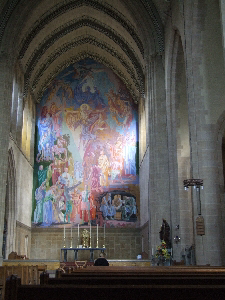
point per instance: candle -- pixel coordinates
(71, 231)
(90, 229)
(152, 251)
(78, 234)
(97, 232)
(171, 251)
(64, 231)
(104, 230)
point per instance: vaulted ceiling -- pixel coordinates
(46, 36)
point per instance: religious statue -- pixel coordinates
(164, 233)
(85, 240)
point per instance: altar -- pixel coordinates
(64, 251)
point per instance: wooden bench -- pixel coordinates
(127, 282)
(139, 276)
(27, 275)
(106, 291)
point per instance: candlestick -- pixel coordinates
(104, 238)
(90, 235)
(97, 236)
(71, 237)
(64, 236)
(152, 251)
(78, 236)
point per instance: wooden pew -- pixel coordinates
(139, 276)
(106, 291)
(142, 271)
(27, 274)
(130, 283)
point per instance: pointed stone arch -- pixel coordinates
(10, 205)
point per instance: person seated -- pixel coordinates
(101, 261)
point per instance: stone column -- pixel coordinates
(202, 139)
(159, 199)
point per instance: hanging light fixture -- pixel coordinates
(196, 183)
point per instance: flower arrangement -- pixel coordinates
(162, 252)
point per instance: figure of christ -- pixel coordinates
(87, 119)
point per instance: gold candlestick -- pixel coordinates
(71, 242)
(90, 236)
(78, 236)
(97, 237)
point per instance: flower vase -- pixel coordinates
(160, 261)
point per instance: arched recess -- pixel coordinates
(183, 147)
(181, 210)
(10, 205)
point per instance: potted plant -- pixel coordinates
(162, 255)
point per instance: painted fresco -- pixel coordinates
(86, 150)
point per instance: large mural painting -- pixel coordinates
(86, 168)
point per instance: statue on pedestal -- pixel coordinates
(164, 233)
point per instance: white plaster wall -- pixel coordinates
(24, 185)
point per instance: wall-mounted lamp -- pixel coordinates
(196, 183)
(176, 239)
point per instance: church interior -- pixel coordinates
(112, 131)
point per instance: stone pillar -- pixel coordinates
(159, 201)
(5, 100)
(202, 139)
